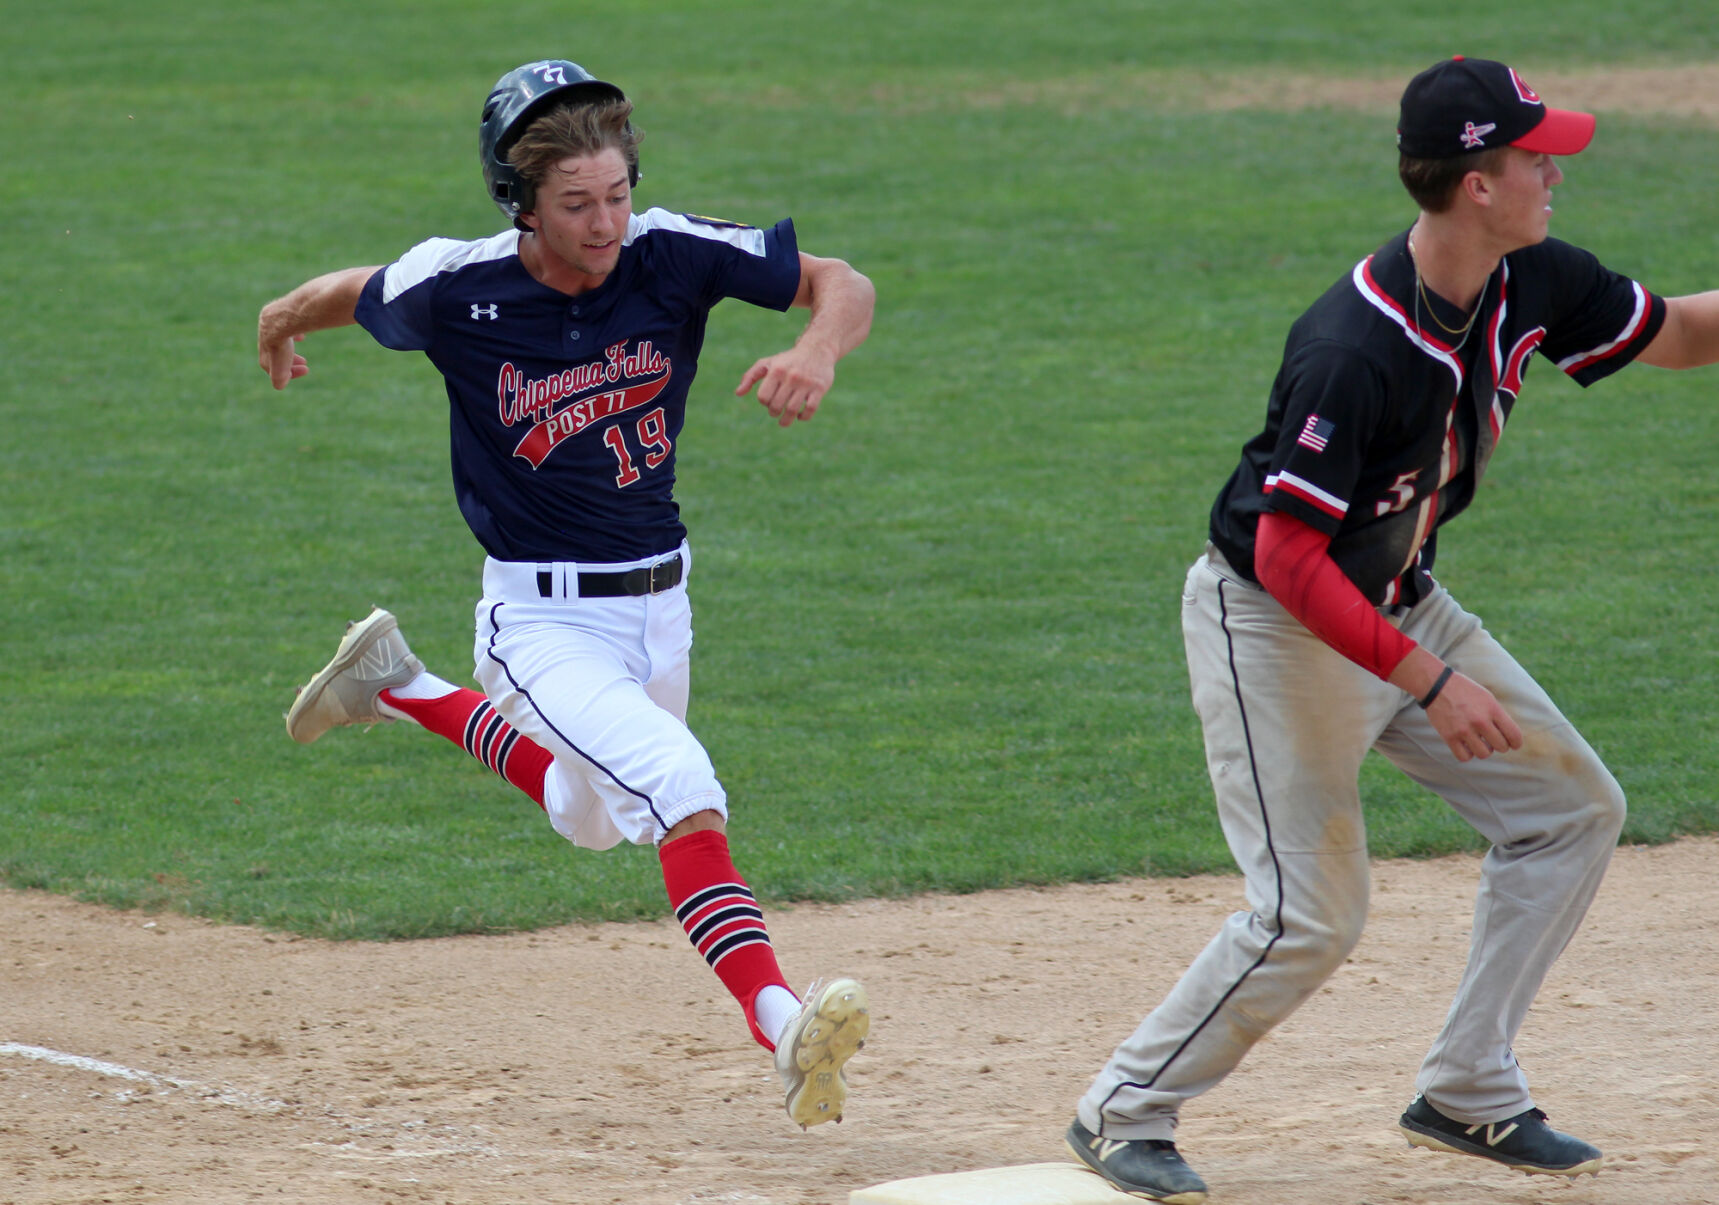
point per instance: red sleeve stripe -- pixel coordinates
(1637, 321)
(1290, 484)
(1510, 380)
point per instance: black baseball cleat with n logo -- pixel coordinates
(1524, 1142)
(1145, 1167)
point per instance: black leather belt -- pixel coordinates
(629, 583)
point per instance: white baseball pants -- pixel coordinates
(601, 683)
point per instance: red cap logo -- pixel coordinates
(1528, 95)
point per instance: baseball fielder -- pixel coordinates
(568, 344)
(1315, 632)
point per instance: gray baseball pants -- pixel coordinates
(1287, 721)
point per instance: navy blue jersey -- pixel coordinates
(565, 410)
(1381, 423)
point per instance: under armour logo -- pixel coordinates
(1473, 135)
(484, 311)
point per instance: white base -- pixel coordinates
(1028, 1184)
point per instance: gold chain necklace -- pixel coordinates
(1460, 333)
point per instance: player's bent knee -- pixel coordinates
(1321, 943)
(1606, 813)
(1337, 943)
(1598, 804)
(1612, 810)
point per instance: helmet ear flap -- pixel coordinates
(518, 201)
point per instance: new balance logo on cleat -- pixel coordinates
(1523, 1142)
(1106, 1147)
(1149, 1168)
(1495, 1135)
(372, 657)
(376, 662)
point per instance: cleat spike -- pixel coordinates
(831, 1026)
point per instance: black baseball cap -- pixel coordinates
(1462, 106)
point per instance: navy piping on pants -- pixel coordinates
(495, 629)
(1265, 821)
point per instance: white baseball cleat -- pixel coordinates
(372, 657)
(833, 1022)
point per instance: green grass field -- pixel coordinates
(938, 632)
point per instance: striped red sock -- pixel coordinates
(721, 918)
(467, 718)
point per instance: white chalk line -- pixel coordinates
(226, 1096)
(246, 1100)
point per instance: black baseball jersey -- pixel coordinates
(1381, 421)
(565, 411)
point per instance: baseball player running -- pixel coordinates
(568, 344)
(1315, 632)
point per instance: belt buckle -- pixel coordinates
(668, 579)
(651, 579)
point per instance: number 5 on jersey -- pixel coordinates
(1402, 492)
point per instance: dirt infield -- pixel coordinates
(150, 1059)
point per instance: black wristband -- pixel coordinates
(1437, 686)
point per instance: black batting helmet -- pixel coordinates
(517, 99)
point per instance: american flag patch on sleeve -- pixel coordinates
(1317, 433)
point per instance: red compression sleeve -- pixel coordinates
(1294, 564)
